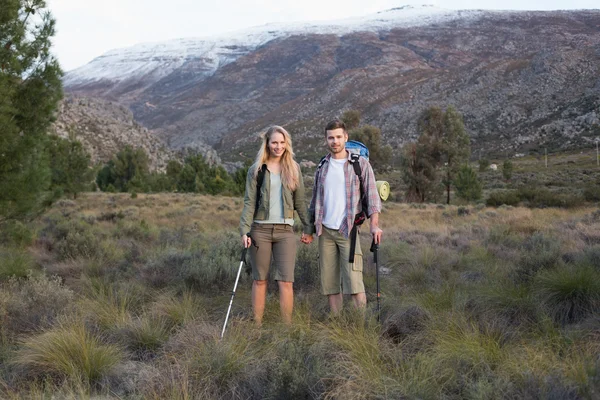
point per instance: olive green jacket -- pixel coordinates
(291, 201)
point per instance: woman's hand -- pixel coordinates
(306, 239)
(246, 241)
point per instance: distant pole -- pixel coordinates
(597, 157)
(546, 156)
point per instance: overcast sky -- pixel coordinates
(89, 28)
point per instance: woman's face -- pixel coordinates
(276, 145)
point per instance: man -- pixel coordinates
(336, 200)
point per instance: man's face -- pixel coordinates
(336, 140)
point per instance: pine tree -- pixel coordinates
(456, 147)
(379, 156)
(468, 186)
(130, 168)
(30, 89)
(351, 119)
(507, 169)
(70, 166)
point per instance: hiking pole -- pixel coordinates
(242, 259)
(375, 250)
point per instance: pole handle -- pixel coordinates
(374, 250)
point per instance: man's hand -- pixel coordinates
(246, 241)
(376, 232)
(306, 239)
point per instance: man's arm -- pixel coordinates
(373, 201)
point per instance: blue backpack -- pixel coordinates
(356, 147)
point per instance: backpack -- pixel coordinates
(260, 177)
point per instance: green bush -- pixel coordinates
(504, 197)
(16, 233)
(592, 193)
(15, 262)
(540, 197)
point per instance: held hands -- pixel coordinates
(246, 241)
(306, 239)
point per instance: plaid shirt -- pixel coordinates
(353, 202)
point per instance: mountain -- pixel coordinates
(523, 80)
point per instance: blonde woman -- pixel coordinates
(274, 189)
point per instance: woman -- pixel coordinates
(267, 220)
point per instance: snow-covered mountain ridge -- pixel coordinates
(159, 59)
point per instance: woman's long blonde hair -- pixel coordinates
(290, 171)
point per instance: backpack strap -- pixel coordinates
(260, 177)
(355, 161)
(362, 215)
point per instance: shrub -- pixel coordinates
(67, 351)
(306, 274)
(592, 193)
(484, 164)
(15, 262)
(34, 303)
(538, 252)
(406, 322)
(540, 197)
(16, 233)
(214, 265)
(505, 197)
(462, 211)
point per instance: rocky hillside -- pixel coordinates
(523, 81)
(104, 128)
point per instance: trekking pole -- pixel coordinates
(234, 287)
(375, 250)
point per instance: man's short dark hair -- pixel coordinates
(335, 124)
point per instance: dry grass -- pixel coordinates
(477, 303)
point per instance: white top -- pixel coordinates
(276, 203)
(334, 196)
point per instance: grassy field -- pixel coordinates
(117, 297)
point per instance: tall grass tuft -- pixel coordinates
(15, 262)
(145, 335)
(67, 351)
(571, 293)
(505, 304)
(179, 310)
(352, 355)
(112, 305)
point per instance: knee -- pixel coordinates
(285, 285)
(260, 283)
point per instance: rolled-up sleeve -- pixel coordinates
(373, 199)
